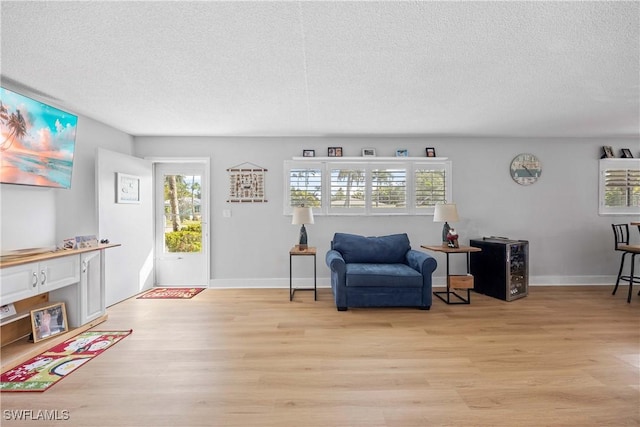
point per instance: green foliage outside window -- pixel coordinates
(430, 187)
(304, 197)
(187, 239)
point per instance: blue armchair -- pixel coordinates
(379, 272)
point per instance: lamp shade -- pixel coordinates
(302, 215)
(445, 212)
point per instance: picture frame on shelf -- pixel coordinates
(626, 153)
(127, 188)
(431, 152)
(607, 152)
(402, 152)
(308, 153)
(7, 310)
(334, 152)
(49, 321)
(88, 241)
(69, 244)
(368, 152)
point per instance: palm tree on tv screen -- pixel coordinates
(15, 124)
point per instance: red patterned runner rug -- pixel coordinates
(171, 293)
(48, 368)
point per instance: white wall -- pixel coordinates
(27, 217)
(569, 242)
(129, 269)
(76, 209)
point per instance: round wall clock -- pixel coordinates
(525, 169)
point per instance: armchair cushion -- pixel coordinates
(383, 275)
(390, 249)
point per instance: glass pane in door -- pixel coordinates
(183, 219)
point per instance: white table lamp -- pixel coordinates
(445, 212)
(302, 215)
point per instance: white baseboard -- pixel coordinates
(554, 280)
(268, 283)
(325, 282)
(571, 280)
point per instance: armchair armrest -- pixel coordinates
(425, 264)
(422, 262)
(335, 262)
(338, 267)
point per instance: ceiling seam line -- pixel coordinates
(304, 64)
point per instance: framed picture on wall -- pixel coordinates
(334, 152)
(368, 152)
(308, 153)
(607, 152)
(626, 153)
(127, 188)
(402, 152)
(431, 152)
(49, 321)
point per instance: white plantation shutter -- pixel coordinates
(430, 187)
(388, 189)
(303, 185)
(348, 188)
(432, 184)
(620, 186)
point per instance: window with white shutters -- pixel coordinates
(355, 186)
(619, 186)
(348, 187)
(388, 189)
(303, 185)
(430, 186)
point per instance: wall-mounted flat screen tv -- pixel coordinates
(37, 142)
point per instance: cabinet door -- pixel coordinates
(58, 272)
(19, 282)
(92, 292)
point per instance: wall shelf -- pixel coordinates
(371, 159)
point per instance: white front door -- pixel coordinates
(182, 235)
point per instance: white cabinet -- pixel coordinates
(74, 276)
(92, 290)
(19, 282)
(26, 280)
(58, 272)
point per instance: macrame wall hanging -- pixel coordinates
(246, 183)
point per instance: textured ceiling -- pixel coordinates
(332, 68)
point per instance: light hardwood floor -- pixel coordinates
(563, 356)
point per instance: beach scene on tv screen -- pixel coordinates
(37, 142)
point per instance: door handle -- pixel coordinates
(43, 277)
(35, 279)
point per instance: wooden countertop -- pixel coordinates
(11, 261)
(447, 249)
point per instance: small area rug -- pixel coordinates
(171, 293)
(41, 372)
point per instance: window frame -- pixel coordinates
(308, 165)
(374, 166)
(616, 164)
(329, 209)
(368, 165)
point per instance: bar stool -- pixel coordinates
(637, 223)
(621, 233)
